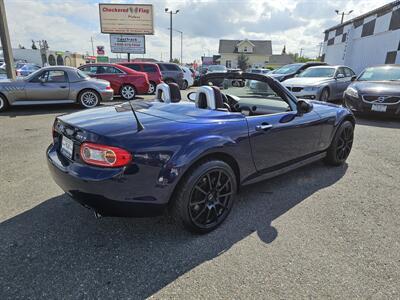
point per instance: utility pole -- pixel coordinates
(91, 40)
(181, 33)
(301, 52)
(343, 14)
(170, 12)
(320, 49)
(5, 42)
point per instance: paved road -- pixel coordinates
(317, 232)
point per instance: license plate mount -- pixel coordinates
(67, 147)
(379, 107)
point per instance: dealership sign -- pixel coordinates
(100, 50)
(127, 43)
(126, 18)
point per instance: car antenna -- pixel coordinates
(140, 126)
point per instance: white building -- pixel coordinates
(367, 40)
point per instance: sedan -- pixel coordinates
(54, 85)
(139, 158)
(124, 81)
(376, 90)
(292, 70)
(324, 83)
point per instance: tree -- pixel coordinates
(21, 46)
(34, 45)
(284, 50)
(242, 62)
(176, 61)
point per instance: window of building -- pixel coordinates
(395, 20)
(228, 64)
(331, 41)
(52, 60)
(391, 57)
(339, 31)
(326, 36)
(368, 28)
(245, 49)
(344, 36)
(60, 60)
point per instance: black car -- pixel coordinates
(376, 90)
(171, 73)
(290, 71)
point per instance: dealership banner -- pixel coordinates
(126, 18)
(134, 44)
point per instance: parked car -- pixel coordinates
(151, 69)
(376, 90)
(124, 81)
(291, 70)
(171, 73)
(325, 83)
(54, 85)
(140, 158)
(188, 78)
(216, 68)
(27, 69)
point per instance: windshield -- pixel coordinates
(288, 69)
(380, 74)
(318, 72)
(82, 74)
(216, 68)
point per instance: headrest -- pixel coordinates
(209, 97)
(168, 93)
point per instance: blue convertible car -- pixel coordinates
(138, 158)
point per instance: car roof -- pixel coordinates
(136, 62)
(326, 66)
(59, 68)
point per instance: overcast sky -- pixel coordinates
(69, 24)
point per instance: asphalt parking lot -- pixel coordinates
(318, 232)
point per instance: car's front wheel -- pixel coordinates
(324, 95)
(185, 85)
(128, 92)
(341, 145)
(152, 88)
(205, 196)
(89, 99)
(3, 103)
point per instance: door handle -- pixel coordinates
(263, 127)
(63, 86)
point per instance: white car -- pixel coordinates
(187, 78)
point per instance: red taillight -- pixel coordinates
(104, 156)
(108, 88)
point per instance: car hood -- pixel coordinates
(306, 81)
(377, 87)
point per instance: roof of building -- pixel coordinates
(281, 59)
(262, 47)
(380, 11)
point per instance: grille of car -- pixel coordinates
(381, 99)
(297, 89)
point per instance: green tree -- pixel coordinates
(34, 45)
(176, 61)
(242, 62)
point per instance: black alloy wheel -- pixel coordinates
(324, 95)
(341, 145)
(210, 197)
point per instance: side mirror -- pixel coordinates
(192, 96)
(42, 80)
(353, 78)
(303, 107)
(339, 76)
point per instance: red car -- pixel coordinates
(124, 81)
(152, 70)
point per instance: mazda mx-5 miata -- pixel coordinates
(139, 158)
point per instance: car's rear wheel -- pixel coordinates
(3, 103)
(341, 145)
(324, 95)
(152, 87)
(185, 85)
(128, 92)
(89, 98)
(205, 197)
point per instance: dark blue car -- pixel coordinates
(139, 158)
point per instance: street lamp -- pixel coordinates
(343, 14)
(181, 33)
(170, 12)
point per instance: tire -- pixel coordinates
(205, 196)
(341, 145)
(152, 88)
(128, 92)
(324, 96)
(169, 80)
(185, 85)
(88, 98)
(3, 103)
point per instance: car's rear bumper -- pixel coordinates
(358, 106)
(110, 192)
(107, 95)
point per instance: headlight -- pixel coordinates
(352, 92)
(310, 88)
